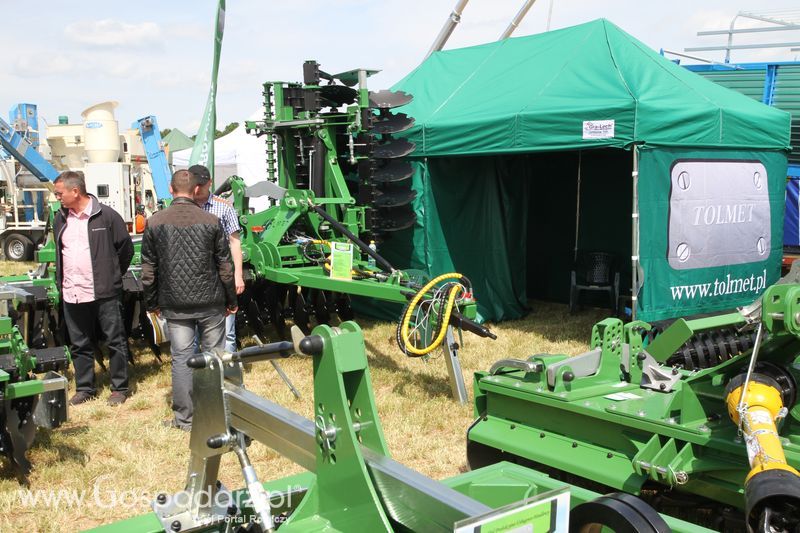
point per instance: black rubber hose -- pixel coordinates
(224, 187)
(384, 264)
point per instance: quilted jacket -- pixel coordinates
(186, 262)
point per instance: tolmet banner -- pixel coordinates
(711, 229)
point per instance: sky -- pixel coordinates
(154, 57)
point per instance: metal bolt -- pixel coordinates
(761, 246)
(683, 180)
(683, 252)
(161, 498)
(681, 477)
(574, 444)
(674, 371)
(609, 455)
(662, 386)
(513, 426)
(176, 525)
(541, 435)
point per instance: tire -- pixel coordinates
(18, 247)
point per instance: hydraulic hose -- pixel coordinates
(384, 264)
(402, 333)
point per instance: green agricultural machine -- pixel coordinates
(26, 400)
(351, 483)
(338, 187)
(701, 420)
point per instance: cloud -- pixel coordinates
(40, 65)
(108, 32)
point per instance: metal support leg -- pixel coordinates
(450, 348)
(280, 371)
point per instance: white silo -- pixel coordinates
(101, 133)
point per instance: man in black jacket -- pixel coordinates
(94, 251)
(187, 276)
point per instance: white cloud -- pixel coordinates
(108, 32)
(39, 65)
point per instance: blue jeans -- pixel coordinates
(230, 335)
(182, 346)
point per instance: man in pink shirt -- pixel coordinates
(94, 251)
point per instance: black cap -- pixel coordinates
(201, 172)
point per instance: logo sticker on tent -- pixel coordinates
(598, 129)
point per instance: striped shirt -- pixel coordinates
(225, 212)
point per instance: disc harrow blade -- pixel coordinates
(386, 124)
(393, 172)
(393, 149)
(388, 99)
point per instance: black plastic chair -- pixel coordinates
(594, 271)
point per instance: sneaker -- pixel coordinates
(117, 398)
(81, 397)
(172, 423)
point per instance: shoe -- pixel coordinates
(172, 423)
(81, 397)
(117, 398)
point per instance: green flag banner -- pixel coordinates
(203, 150)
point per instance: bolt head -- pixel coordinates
(176, 525)
(161, 498)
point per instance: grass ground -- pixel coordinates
(106, 464)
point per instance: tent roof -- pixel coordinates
(177, 140)
(535, 93)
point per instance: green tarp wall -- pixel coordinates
(498, 132)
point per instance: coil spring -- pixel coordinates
(710, 348)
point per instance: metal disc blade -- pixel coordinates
(338, 94)
(393, 149)
(388, 99)
(394, 198)
(393, 172)
(394, 220)
(392, 123)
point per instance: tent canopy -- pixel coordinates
(177, 140)
(535, 93)
(521, 159)
(236, 153)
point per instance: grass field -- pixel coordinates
(107, 463)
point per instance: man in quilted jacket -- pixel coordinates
(187, 275)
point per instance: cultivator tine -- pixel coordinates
(18, 433)
(300, 315)
(321, 312)
(343, 308)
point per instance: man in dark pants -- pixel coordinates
(94, 251)
(188, 278)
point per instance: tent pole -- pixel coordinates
(635, 234)
(577, 209)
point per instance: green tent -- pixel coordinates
(177, 141)
(531, 150)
